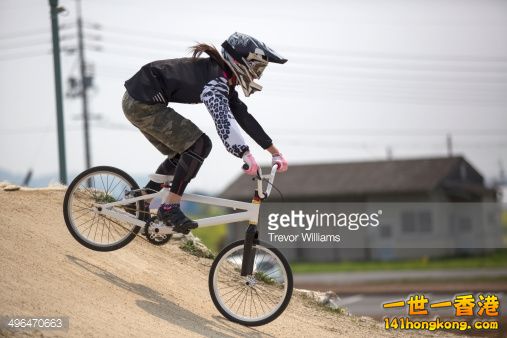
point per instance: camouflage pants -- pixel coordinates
(167, 130)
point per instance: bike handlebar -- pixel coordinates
(271, 177)
(245, 166)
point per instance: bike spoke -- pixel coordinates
(252, 297)
(101, 188)
(235, 295)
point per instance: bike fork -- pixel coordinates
(248, 251)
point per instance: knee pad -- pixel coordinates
(201, 147)
(189, 163)
(168, 166)
(192, 158)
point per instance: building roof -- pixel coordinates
(358, 178)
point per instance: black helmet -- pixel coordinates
(248, 57)
(240, 45)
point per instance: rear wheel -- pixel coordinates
(95, 186)
(251, 300)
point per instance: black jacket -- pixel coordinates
(182, 81)
(178, 80)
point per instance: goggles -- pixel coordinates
(255, 64)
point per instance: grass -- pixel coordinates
(309, 301)
(504, 227)
(104, 198)
(212, 237)
(428, 282)
(261, 276)
(491, 260)
(189, 247)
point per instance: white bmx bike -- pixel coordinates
(250, 282)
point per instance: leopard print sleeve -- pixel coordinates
(214, 97)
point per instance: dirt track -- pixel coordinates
(140, 290)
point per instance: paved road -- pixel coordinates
(338, 278)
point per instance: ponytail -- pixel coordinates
(211, 50)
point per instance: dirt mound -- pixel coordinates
(140, 290)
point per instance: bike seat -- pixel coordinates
(162, 179)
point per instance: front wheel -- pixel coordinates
(90, 189)
(256, 299)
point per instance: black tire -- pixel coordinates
(68, 211)
(282, 305)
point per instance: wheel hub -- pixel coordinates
(251, 281)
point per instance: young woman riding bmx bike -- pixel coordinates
(250, 282)
(211, 81)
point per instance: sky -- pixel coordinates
(364, 78)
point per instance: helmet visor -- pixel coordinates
(256, 65)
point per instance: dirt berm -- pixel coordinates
(138, 291)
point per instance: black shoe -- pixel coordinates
(173, 216)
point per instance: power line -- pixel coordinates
(28, 130)
(18, 56)
(464, 75)
(380, 145)
(449, 73)
(392, 132)
(338, 72)
(134, 53)
(303, 131)
(27, 44)
(398, 56)
(399, 65)
(364, 95)
(141, 34)
(283, 141)
(323, 52)
(122, 45)
(27, 33)
(450, 63)
(424, 74)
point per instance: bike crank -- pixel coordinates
(156, 232)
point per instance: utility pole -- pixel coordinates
(449, 145)
(58, 89)
(502, 177)
(389, 153)
(84, 85)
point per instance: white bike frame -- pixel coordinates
(250, 211)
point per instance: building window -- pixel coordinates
(493, 218)
(461, 224)
(425, 223)
(386, 231)
(413, 222)
(465, 225)
(408, 222)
